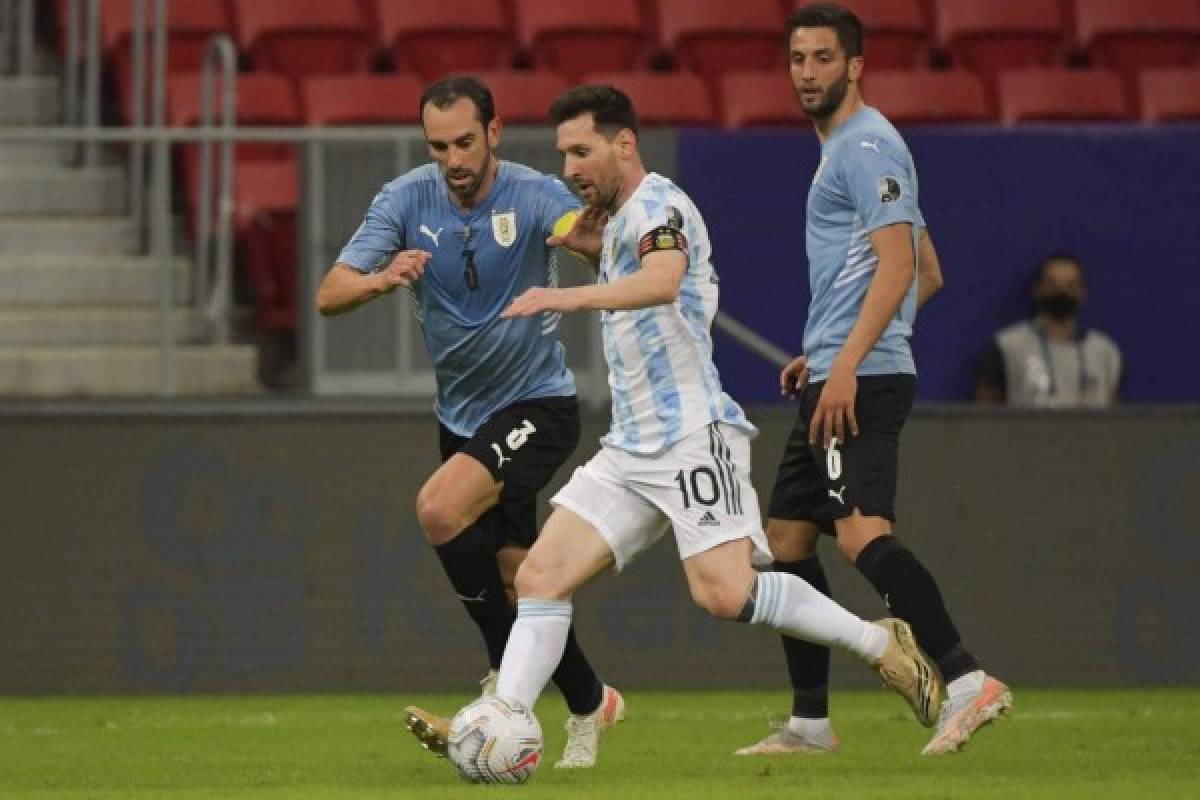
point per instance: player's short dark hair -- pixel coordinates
(445, 92)
(1060, 255)
(848, 27)
(611, 109)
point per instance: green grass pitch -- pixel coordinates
(1058, 744)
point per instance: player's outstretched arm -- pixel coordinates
(655, 284)
(345, 288)
(929, 269)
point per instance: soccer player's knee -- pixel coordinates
(720, 598)
(535, 580)
(438, 519)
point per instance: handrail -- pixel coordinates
(91, 87)
(160, 227)
(71, 76)
(217, 304)
(137, 153)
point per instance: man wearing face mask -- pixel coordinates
(1052, 360)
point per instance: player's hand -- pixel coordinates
(834, 414)
(537, 300)
(405, 269)
(793, 377)
(586, 235)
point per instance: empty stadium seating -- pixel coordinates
(709, 37)
(663, 98)
(897, 35)
(987, 36)
(1129, 35)
(267, 197)
(447, 36)
(303, 37)
(1170, 95)
(758, 98)
(574, 38)
(523, 97)
(190, 26)
(352, 99)
(1038, 95)
(923, 96)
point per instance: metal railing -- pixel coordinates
(17, 42)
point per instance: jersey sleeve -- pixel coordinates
(557, 202)
(378, 238)
(879, 183)
(659, 226)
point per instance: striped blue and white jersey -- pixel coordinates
(866, 180)
(660, 369)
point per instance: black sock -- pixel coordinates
(576, 679)
(911, 594)
(469, 560)
(807, 663)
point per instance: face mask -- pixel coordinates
(1060, 305)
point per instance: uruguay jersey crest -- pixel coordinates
(504, 227)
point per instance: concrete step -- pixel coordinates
(47, 190)
(42, 281)
(95, 326)
(46, 236)
(28, 154)
(124, 371)
(30, 100)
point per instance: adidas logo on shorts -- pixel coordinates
(709, 519)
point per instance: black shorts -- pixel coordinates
(522, 446)
(820, 485)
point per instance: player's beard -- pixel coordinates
(466, 194)
(832, 98)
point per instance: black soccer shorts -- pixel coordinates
(820, 485)
(522, 446)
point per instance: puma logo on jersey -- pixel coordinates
(870, 146)
(425, 230)
(838, 494)
(500, 458)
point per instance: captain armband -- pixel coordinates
(664, 237)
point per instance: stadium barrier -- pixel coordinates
(273, 547)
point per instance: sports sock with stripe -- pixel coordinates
(535, 646)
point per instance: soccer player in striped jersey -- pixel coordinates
(678, 453)
(871, 264)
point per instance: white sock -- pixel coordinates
(535, 646)
(793, 607)
(810, 728)
(965, 684)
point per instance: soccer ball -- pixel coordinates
(495, 740)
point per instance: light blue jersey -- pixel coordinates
(660, 368)
(866, 181)
(483, 363)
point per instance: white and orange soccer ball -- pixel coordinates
(495, 740)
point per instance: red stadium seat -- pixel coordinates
(574, 38)
(923, 96)
(759, 98)
(1032, 95)
(361, 99)
(897, 35)
(448, 36)
(303, 37)
(1129, 35)
(663, 98)
(987, 36)
(708, 37)
(263, 99)
(190, 26)
(523, 97)
(1170, 95)
(267, 196)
